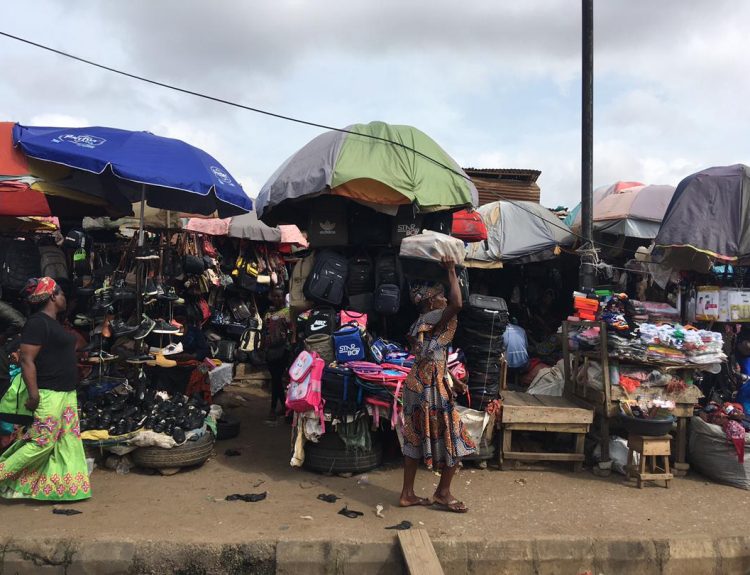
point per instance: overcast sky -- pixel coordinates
(495, 82)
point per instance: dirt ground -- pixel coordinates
(190, 506)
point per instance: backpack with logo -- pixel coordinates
(52, 262)
(468, 226)
(321, 320)
(328, 222)
(304, 391)
(407, 222)
(327, 282)
(21, 263)
(389, 283)
(348, 344)
(301, 271)
(361, 278)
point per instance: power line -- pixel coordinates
(289, 119)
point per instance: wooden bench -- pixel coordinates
(525, 412)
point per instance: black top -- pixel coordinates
(56, 362)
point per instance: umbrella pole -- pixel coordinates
(587, 270)
(139, 275)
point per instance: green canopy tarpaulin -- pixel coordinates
(376, 164)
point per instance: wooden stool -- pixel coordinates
(650, 449)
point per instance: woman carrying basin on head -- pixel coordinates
(432, 428)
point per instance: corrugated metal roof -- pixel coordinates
(505, 184)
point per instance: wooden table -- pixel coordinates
(526, 412)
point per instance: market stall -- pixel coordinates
(137, 302)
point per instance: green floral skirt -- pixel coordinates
(48, 463)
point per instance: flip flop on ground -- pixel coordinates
(454, 506)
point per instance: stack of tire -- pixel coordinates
(481, 326)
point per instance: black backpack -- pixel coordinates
(21, 263)
(361, 274)
(389, 283)
(327, 282)
(368, 227)
(321, 320)
(341, 394)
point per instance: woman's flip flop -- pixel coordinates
(454, 506)
(421, 501)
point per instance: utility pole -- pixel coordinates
(587, 271)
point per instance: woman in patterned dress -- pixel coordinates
(48, 462)
(432, 428)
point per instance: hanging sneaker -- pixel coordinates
(164, 327)
(172, 349)
(146, 327)
(150, 287)
(120, 328)
(101, 357)
(168, 295)
(141, 358)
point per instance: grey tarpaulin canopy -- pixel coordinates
(518, 232)
(633, 211)
(707, 220)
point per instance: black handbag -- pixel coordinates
(193, 265)
(223, 350)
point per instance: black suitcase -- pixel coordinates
(487, 303)
(327, 282)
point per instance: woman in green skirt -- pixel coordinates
(48, 462)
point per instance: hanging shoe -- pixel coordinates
(139, 359)
(166, 328)
(162, 361)
(120, 328)
(169, 294)
(147, 325)
(172, 349)
(150, 287)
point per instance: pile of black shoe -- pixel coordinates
(121, 414)
(481, 326)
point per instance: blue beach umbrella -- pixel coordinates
(126, 167)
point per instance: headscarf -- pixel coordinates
(39, 290)
(420, 294)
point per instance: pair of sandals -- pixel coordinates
(453, 506)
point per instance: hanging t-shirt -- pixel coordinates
(56, 367)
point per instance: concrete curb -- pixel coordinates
(676, 556)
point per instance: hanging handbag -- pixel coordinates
(192, 262)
